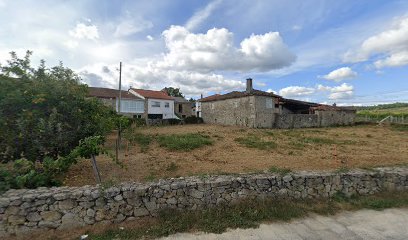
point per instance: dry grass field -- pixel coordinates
(211, 149)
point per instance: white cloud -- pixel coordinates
(131, 25)
(296, 91)
(150, 38)
(150, 77)
(201, 15)
(392, 44)
(343, 91)
(394, 60)
(340, 74)
(82, 31)
(215, 50)
(270, 90)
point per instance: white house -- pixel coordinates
(131, 105)
(157, 104)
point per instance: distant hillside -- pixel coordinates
(394, 109)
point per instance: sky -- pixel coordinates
(327, 51)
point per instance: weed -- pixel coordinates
(253, 141)
(184, 142)
(342, 170)
(291, 153)
(269, 133)
(150, 177)
(172, 167)
(280, 171)
(400, 127)
(297, 145)
(369, 136)
(317, 140)
(141, 139)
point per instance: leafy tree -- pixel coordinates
(174, 92)
(45, 112)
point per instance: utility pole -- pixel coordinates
(120, 99)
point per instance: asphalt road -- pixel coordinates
(363, 224)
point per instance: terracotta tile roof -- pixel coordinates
(109, 93)
(180, 100)
(237, 94)
(152, 94)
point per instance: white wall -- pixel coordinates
(167, 112)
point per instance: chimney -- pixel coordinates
(201, 96)
(249, 85)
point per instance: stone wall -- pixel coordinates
(336, 118)
(25, 210)
(235, 111)
(296, 121)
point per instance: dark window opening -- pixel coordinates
(180, 108)
(155, 116)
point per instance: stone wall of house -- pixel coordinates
(265, 115)
(296, 121)
(22, 211)
(320, 119)
(235, 111)
(336, 118)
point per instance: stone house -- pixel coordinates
(259, 109)
(131, 105)
(182, 107)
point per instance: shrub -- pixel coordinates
(139, 122)
(193, 120)
(174, 121)
(45, 112)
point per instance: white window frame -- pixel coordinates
(155, 104)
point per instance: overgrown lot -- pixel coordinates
(171, 151)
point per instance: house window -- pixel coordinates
(155, 104)
(269, 103)
(166, 105)
(180, 108)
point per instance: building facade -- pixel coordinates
(259, 109)
(130, 105)
(157, 104)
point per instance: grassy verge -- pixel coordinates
(184, 142)
(250, 214)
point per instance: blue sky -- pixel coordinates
(347, 52)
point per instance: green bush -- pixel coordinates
(193, 120)
(174, 121)
(45, 112)
(139, 122)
